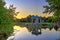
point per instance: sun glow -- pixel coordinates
(24, 15)
(19, 28)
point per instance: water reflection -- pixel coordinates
(35, 30)
(27, 33)
(56, 28)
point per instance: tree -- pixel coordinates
(6, 21)
(29, 18)
(12, 12)
(54, 6)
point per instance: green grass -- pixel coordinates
(38, 25)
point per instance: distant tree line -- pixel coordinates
(29, 19)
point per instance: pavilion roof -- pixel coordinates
(36, 17)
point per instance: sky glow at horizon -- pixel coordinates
(28, 7)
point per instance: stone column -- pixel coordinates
(36, 21)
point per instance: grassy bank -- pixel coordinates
(47, 25)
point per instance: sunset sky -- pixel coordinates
(28, 7)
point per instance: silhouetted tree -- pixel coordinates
(54, 6)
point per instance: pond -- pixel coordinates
(26, 33)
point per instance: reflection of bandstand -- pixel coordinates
(36, 32)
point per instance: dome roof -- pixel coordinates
(36, 17)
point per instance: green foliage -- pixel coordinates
(54, 19)
(57, 13)
(55, 2)
(2, 3)
(6, 21)
(54, 6)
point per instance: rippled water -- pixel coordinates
(27, 34)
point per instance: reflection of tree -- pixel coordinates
(56, 28)
(50, 28)
(44, 28)
(35, 30)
